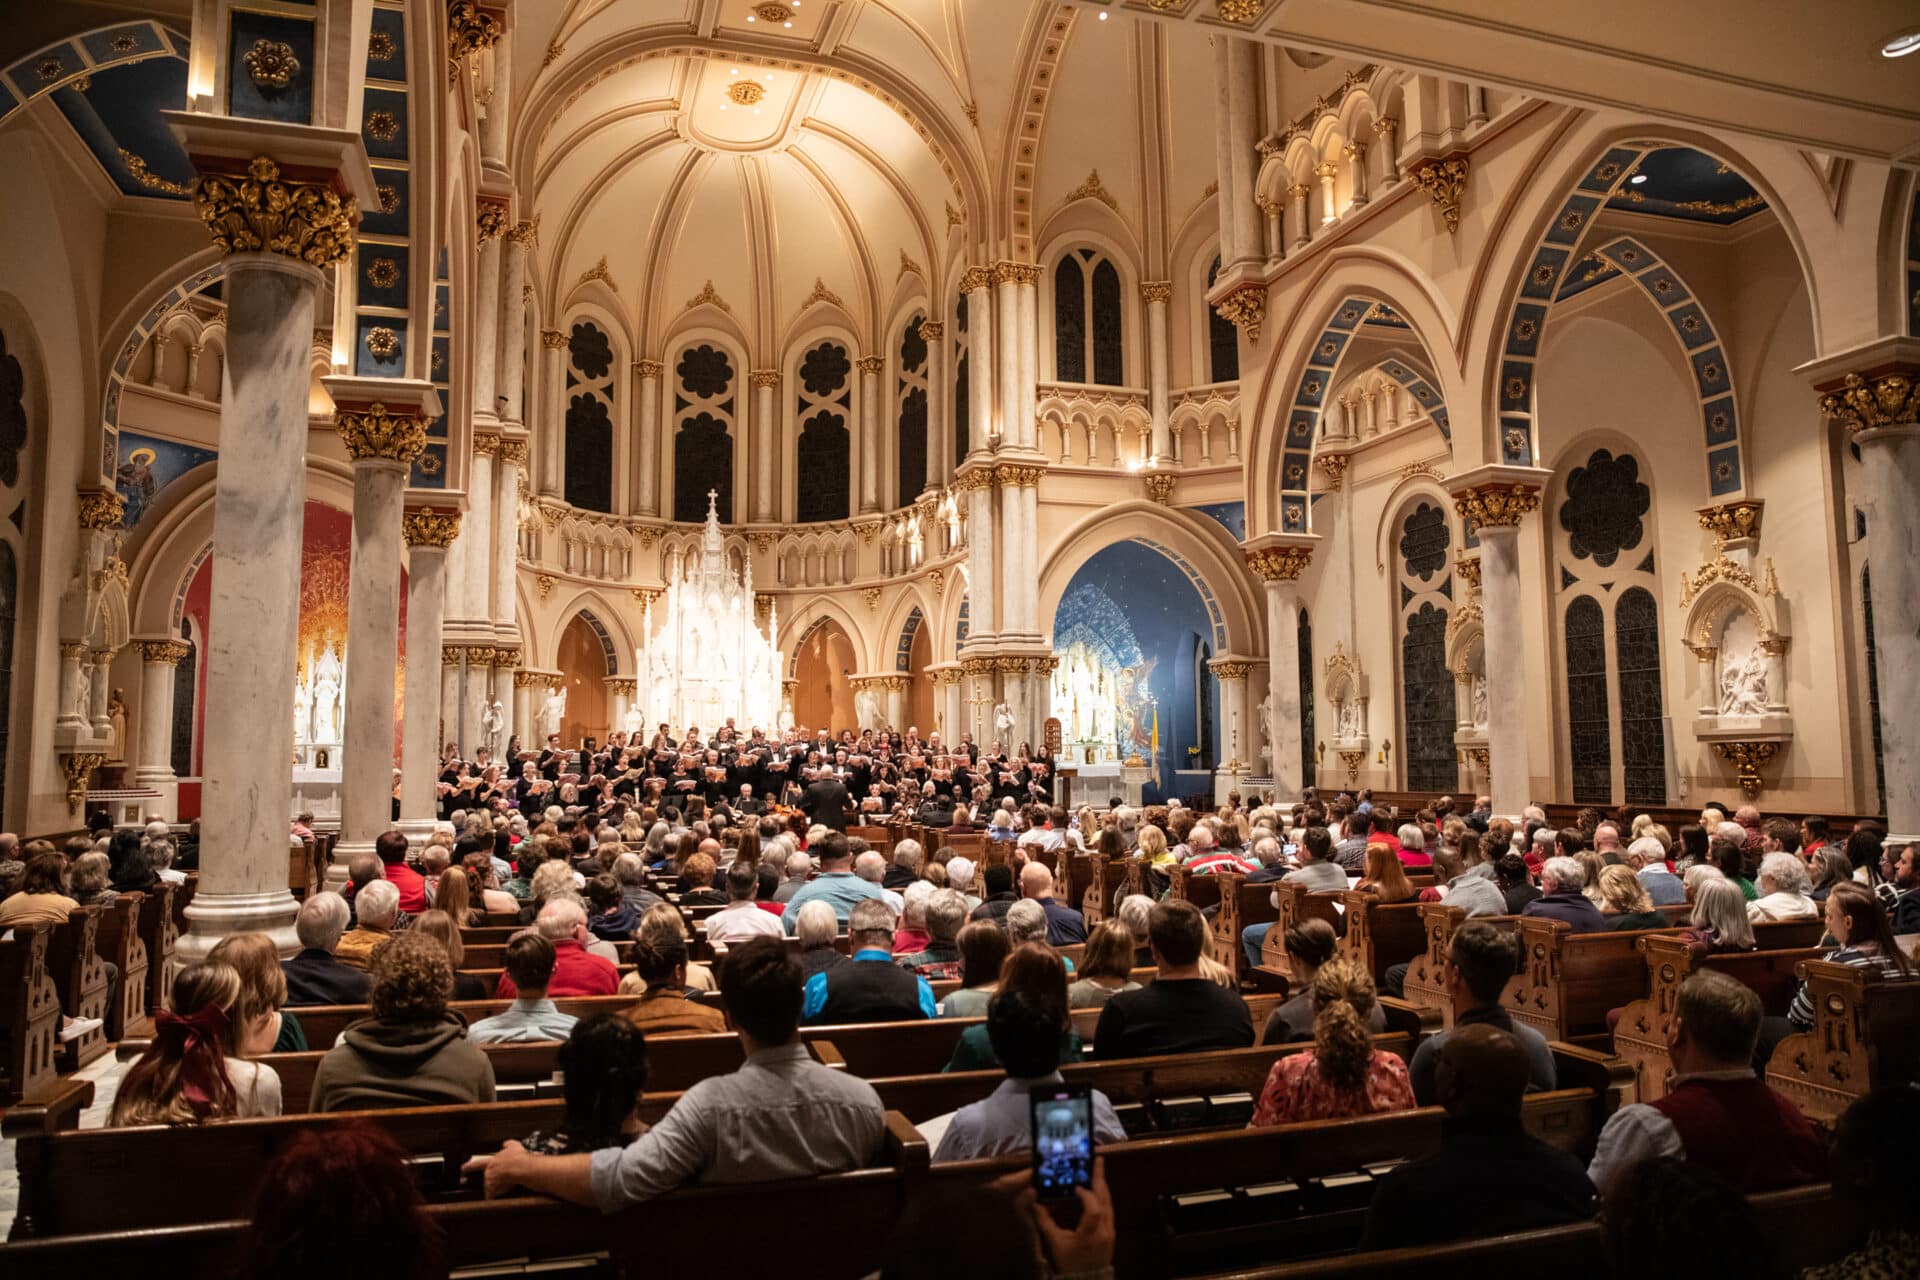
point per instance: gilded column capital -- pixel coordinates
(480, 655)
(1160, 487)
(1004, 272)
(974, 279)
(1280, 564)
(1026, 273)
(449, 655)
(513, 453)
(1334, 467)
(469, 30)
(506, 658)
(552, 339)
(1468, 567)
(489, 221)
(973, 479)
(525, 679)
(525, 233)
(1384, 126)
(1015, 475)
(101, 509)
(168, 652)
(933, 330)
(1873, 401)
(655, 369)
(371, 433)
(1445, 182)
(1013, 666)
(1497, 506)
(977, 666)
(1355, 150)
(427, 527)
(1239, 12)
(623, 686)
(1245, 308)
(1156, 291)
(871, 364)
(261, 211)
(487, 446)
(759, 378)
(1327, 170)
(1732, 521)
(1299, 191)
(1230, 668)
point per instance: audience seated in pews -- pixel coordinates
(604, 1064)
(391, 848)
(261, 1024)
(781, 1115)
(1719, 922)
(132, 869)
(1480, 960)
(413, 1051)
(341, 1202)
(563, 922)
(533, 1015)
(1562, 881)
(1310, 944)
(797, 869)
(1515, 883)
(1037, 970)
(314, 975)
(1905, 879)
(88, 880)
(870, 987)
(43, 894)
(667, 1007)
(664, 919)
(698, 876)
(1784, 886)
(1625, 903)
(610, 918)
(836, 885)
(1182, 1010)
(1024, 1028)
(193, 1072)
(1344, 1075)
(1490, 1175)
(631, 872)
(1716, 1113)
(938, 958)
(376, 908)
(983, 952)
(1105, 968)
(742, 917)
(1136, 912)
(910, 935)
(1667, 1209)
(1858, 924)
(1385, 879)
(1648, 860)
(1002, 1231)
(439, 925)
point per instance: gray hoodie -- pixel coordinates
(381, 1063)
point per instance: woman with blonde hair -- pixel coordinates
(192, 1072)
(1386, 878)
(663, 918)
(1592, 864)
(260, 1023)
(1153, 845)
(454, 895)
(1719, 922)
(1624, 901)
(1344, 1075)
(1105, 969)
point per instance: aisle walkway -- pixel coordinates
(106, 1073)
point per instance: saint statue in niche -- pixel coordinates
(493, 718)
(1349, 719)
(866, 708)
(117, 716)
(1480, 699)
(1743, 684)
(327, 679)
(553, 709)
(1002, 720)
(632, 723)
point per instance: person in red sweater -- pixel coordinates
(1717, 1113)
(563, 922)
(392, 848)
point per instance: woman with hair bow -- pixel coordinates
(192, 1072)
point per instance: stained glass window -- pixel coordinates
(1588, 720)
(1106, 325)
(1424, 540)
(1643, 743)
(1223, 340)
(962, 375)
(1427, 690)
(587, 469)
(1069, 321)
(910, 391)
(822, 454)
(1305, 632)
(185, 700)
(1606, 500)
(703, 409)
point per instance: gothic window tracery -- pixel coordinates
(962, 375)
(705, 394)
(822, 452)
(588, 468)
(1089, 321)
(1305, 637)
(1426, 685)
(1589, 720)
(910, 423)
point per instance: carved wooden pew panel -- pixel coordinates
(119, 942)
(1379, 934)
(1295, 904)
(1866, 1031)
(29, 1015)
(159, 930)
(81, 978)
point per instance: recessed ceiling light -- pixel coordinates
(749, 17)
(756, 111)
(1902, 44)
(1103, 15)
(769, 77)
(1637, 179)
(723, 106)
(734, 72)
(786, 24)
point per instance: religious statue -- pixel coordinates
(117, 714)
(866, 708)
(302, 713)
(327, 680)
(1480, 698)
(1743, 684)
(1002, 721)
(493, 718)
(1349, 719)
(633, 723)
(553, 709)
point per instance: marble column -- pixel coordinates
(156, 376)
(511, 362)
(451, 661)
(1243, 126)
(870, 367)
(383, 424)
(939, 408)
(765, 382)
(1327, 172)
(428, 533)
(476, 691)
(551, 429)
(1157, 294)
(475, 544)
(75, 712)
(619, 698)
(98, 717)
(1870, 393)
(492, 225)
(1027, 289)
(953, 717)
(1019, 521)
(1238, 749)
(896, 687)
(1383, 129)
(1496, 507)
(506, 537)
(975, 282)
(153, 763)
(194, 351)
(1276, 231)
(523, 726)
(1302, 231)
(1006, 320)
(1279, 561)
(978, 487)
(1223, 143)
(647, 500)
(254, 611)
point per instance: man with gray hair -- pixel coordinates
(870, 987)
(1606, 842)
(798, 867)
(377, 906)
(576, 972)
(159, 851)
(1135, 911)
(1649, 863)
(946, 911)
(1561, 882)
(314, 975)
(1784, 886)
(631, 872)
(905, 870)
(872, 868)
(1026, 922)
(817, 927)
(960, 878)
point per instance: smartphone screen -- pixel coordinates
(1062, 1119)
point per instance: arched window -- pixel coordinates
(910, 395)
(1305, 632)
(1223, 340)
(821, 406)
(588, 481)
(703, 433)
(185, 677)
(962, 374)
(1088, 319)
(1610, 642)
(1205, 690)
(1426, 686)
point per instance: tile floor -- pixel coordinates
(106, 1073)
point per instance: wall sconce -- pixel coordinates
(1319, 753)
(1386, 749)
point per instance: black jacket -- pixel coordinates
(315, 977)
(826, 803)
(1527, 1185)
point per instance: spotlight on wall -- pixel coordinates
(1637, 179)
(1901, 44)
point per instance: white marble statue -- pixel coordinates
(632, 723)
(553, 709)
(1349, 719)
(493, 718)
(1743, 684)
(302, 714)
(327, 681)
(1480, 699)
(1266, 722)
(866, 708)
(1002, 720)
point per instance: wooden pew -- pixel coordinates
(1379, 935)
(1866, 1032)
(1094, 901)
(119, 943)
(1640, 1037)
(29, 1015)
(82, 981)
(1241, 904)
(1276, 968)
(160, 930)
(1201, 891)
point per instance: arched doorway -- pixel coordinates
(920, 710)
(824, 666)
(582, 662)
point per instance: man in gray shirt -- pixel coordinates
(781, 1115)
(529, 962)
(1480, 964)
(1318, 871)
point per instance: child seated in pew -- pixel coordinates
(193, 1073)
(604, 1064)
(264, 1026)
(1344, 1075)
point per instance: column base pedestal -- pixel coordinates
(343, 854)
(214, 916)
(416, 830)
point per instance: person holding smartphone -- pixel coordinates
(1025, 1028)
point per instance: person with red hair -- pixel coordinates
(337, 1202)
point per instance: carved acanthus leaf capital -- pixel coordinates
(429, 528)
(370, 432)
(261, 211)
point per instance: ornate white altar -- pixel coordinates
(709, 659)
(1086, 693)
